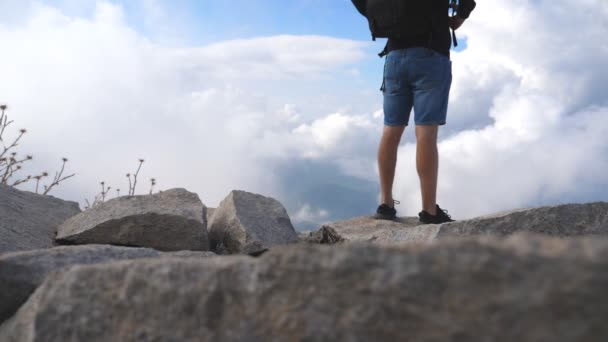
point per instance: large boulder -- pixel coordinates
(526, 289)
(249, 223)
(22, 272)
(171, 220)
(29, 221)
(561, 221)
(564, 220)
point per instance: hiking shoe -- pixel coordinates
(441, 217)
(384, 212)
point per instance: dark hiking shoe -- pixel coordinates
(384, 212)
(441, 217)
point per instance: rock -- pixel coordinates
(561, 221)
(249, 223)
(22, 272)
(210, 212)
(29, 221)
(187, 254)
(525, 289)
(325, 236)
(172, 220)
(368, 229)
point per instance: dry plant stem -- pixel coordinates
(7, 170)
(96, 201)
(13, 145)
(104, 191)
(152, 184)
(3, 122)
(10, 169)
(132, 192)
(21, 181)
(10, 165)
(15, 162)
(130, 185)
(58, 178)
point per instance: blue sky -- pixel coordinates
(211, 21)
(281, 98)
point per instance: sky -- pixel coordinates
(282, 98)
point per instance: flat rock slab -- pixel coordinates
(368, 229)
(171, 220)
(28, 221)
(249, 223)
(560, 221)
(525, 289)
(22, 272)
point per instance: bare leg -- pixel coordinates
(387, 160)
(427, 164)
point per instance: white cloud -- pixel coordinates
(100, 93)
(278, 57)
(334, 133)
(307, 214)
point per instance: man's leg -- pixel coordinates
(387, 160)
(427, 164)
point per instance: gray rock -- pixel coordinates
(525, 289)
(249, 223)
(368, 229)
(210, 212)
(324, 236)
(561, 221)
(22, 272)
(29, 221)
(187, 254)
(172, 220)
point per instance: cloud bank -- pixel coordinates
(205, 118)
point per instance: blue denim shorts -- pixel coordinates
(419, 78)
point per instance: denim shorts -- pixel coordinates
(420, 78)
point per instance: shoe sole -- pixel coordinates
(384, 217)
(420, 221)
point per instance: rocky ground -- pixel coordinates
(164, 267)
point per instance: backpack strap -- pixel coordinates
(384, 51)
(454, 40)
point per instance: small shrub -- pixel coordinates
(11, 164)
(101, 197)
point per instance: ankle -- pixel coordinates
(390, 203)
(431, 210)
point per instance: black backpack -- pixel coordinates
(397, 18)
(401, 18)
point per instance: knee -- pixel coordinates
(427, 134)
(393, 133)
